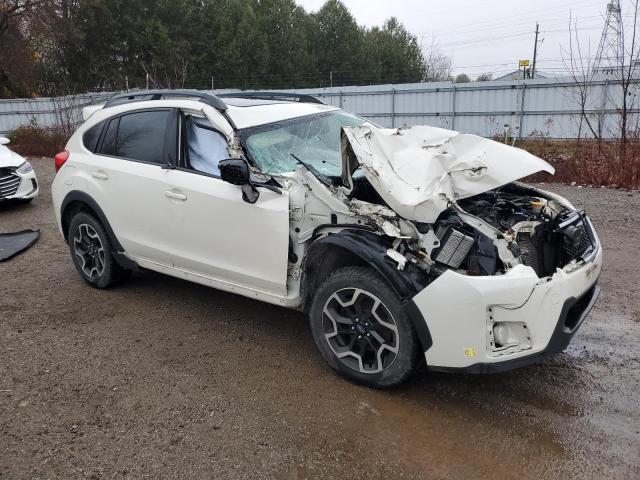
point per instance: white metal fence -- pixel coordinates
(46, 112)
(531, 107)
(549, 107)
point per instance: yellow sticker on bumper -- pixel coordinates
(470, 352)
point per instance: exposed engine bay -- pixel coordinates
(538, 230)
(457, 204)
(481, 235)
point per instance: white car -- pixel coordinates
(402, 245)
(17, 179)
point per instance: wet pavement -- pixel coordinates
(161, 378)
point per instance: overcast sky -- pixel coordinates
(489, 35)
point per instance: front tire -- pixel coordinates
(360, 327)
(91, 252)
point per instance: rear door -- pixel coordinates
(128, 178)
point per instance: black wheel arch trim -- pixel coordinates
(370, 248)
(419, 325)
(116, 248)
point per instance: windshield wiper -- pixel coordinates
(321, 176)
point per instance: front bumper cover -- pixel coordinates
(27, 189)
(574, 312)
(455, 314)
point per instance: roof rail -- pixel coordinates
(299, 97)
(139, 96)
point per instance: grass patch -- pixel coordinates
(588, 162)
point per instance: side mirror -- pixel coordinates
(4, 141)
(236, 172)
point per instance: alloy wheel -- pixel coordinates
(360, 330)
(88, 248)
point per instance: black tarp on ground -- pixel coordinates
(11, 244)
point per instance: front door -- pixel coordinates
(213, 232)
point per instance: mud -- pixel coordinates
(161, 378)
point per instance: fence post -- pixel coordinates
(453, 108)
(603, 115)
(393, 108)
(521, 123)
(340, 98)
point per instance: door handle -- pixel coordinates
(175, 195)
(99, 174)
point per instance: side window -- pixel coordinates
(91, 137)
(205, 146)
(140, 136)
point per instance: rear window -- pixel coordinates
(135, 136)
(141, 136)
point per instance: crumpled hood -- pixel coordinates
(416, 170)
(9, 158)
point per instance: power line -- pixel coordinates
(508, 19)
(554, 22)
(493, 39)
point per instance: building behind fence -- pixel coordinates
(540, 107)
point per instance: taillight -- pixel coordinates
(60, 158)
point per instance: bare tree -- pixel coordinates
(584, 69)
(484, 77)
(14, 10)
(581, 69)
(438, 65)
(174, 76)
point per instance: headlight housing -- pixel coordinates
(24, 168)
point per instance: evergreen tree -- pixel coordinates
(84, 45)
(337, 44)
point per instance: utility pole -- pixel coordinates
(535, 51)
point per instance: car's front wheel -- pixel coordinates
(91, 252)
(361, 329)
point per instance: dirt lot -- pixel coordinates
(165, 379)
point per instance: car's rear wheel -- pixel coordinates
(361, 329)
(91, 252)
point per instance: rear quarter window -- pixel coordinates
(111, 135)
(91, 137)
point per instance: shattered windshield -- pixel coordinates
(315, 140)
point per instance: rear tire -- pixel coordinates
(361, 329)
(91, 252)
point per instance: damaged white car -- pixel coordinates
(402, 245)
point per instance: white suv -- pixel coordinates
(401, 245)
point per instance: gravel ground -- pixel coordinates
(161, 378)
